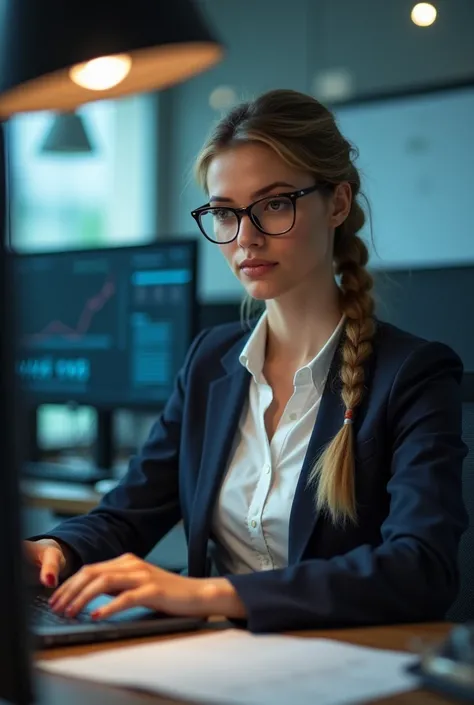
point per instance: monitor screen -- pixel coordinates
(105, 327)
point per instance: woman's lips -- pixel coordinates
(256, 271)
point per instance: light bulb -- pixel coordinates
(102, 73)
(423, 14)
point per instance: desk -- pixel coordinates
(57, 690)
(59, 497)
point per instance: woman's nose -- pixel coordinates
(249, 234)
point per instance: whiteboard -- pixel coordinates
(417, 167)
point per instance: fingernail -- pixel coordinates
(51, 580)
(95, 614)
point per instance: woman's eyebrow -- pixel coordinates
(261, 192)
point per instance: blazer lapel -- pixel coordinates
(226, 400)
(330, 418)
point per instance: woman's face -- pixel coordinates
(275, 265)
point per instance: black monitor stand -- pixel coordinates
(104, 444)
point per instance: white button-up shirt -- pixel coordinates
(251, 517)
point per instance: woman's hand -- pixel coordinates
(49, 557)
(138, 583)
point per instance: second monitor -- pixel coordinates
(106, 328)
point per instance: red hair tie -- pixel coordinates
(348, 416)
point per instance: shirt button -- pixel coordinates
(253, 523)
(267, 468)
(293, 417)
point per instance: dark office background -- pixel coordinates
(404, 94)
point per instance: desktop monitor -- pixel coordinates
(15, 671)
(107, 328)
(434, 303)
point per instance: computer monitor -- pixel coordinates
(107, 328)
(434, 303)
(15, 671)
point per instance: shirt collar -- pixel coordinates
(315, 372)
(252, 356)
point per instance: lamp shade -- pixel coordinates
(41, 40)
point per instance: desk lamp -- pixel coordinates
(58, 55)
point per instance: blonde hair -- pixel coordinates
(305, 135)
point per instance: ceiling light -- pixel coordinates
(423, 14)
(102, 73)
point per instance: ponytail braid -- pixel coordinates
(334, 470)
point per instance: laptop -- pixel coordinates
(50, 629)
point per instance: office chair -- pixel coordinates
(462, 609)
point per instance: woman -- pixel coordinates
(318, 456)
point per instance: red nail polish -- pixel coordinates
(50, 579)
(95, 614)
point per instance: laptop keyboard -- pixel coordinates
(42, 613)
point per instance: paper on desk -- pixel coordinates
(238, 668)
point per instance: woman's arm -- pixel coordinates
(412, 575)
(145, 505)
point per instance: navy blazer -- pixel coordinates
(399, 563)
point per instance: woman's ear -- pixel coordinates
(340, 204)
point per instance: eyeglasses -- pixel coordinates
(272, 215)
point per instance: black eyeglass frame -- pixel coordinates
(247, 210)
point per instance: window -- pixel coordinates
(100, 198)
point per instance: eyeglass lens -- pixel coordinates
(273, 215)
